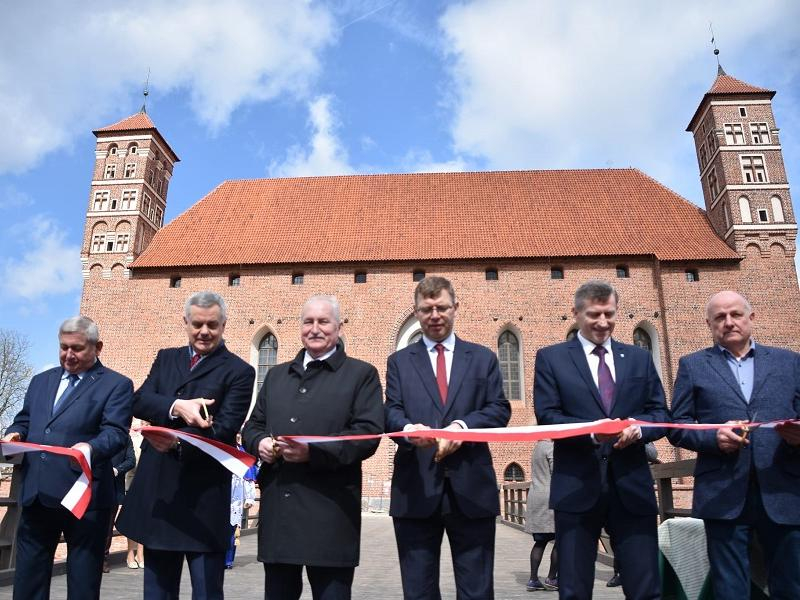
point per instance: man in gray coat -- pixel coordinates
(312, 492)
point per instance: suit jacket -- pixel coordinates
(97, 412)
(312, 510)
(707, 392)
(475, 396)
(564, 392)
(123, 461)
(180, 500)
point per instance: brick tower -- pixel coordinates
(741, 169)
(128, 196)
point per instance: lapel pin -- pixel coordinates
(621, 355)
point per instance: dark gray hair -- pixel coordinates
(334, 303)
(82, 325)
(206, 300)
(594, 290)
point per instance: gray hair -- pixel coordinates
(206, 300)
(334, 304)
(82, 325)
(594, 290)
(747, 306)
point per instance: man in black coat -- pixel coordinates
(179, 503)
(311, 493)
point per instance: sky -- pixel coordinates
(267, 88)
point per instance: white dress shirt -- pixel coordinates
(594, 360)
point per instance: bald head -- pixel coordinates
(730, 318)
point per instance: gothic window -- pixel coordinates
(777, 209)
(111, 171)
(713, 185)
(734, 134)
(508, 355)
(642, 339)
(130, 170)
(556, 273)
(760, 133)
(100, 201)
(753, 170)
(122, 242)
(744, 209)
(513, 472)
(267, 356)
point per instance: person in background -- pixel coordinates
(539, 520)
(122, 462)
(243, 495)
(135, 558)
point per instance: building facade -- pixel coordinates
(514, 244)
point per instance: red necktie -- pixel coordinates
(604, 380)
(193, 362)
(441, 372)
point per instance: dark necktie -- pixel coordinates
(441, 372)
(604, 380)
(72, 381)
(193, 361)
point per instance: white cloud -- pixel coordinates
(571, 85)
(12, 197)
(51, 267)
(63, 64)
(325, 154)
(421, 161)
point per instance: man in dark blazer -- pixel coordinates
(81, 405)
(602, 480)
(179, 503)
(122, 462)
(444, 382)
(743, 481)
(311, 493)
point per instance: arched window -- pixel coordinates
(777, 209)
(415, 337)
(508, 354)
(409, 333)
(744, 208)
(572, 333)
(513, 472)
(642, 339)
(267, 356)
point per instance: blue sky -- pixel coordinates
(250, 89)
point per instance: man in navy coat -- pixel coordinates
(601, 480)
(179, 503)
(443, 382)
(81, 405)
(743, 481)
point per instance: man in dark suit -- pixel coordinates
(442, 485)
(179, 503)
(602, 480)
(82, 405)
(743, 481)
(311, 493)
(122, 462)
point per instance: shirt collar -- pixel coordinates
(307, 358)
(589, 346)
(449, 342)
(729, 355)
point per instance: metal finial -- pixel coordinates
(146, 92)
(720, 70)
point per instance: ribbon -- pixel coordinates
(233, 459)
(79, 495)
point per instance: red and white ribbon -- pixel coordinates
(80, 494)
(233, 459)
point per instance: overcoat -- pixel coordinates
(311, 512)
(538, 515)
(181, 500)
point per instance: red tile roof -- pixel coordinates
(137, 122)
(436, 216)
(725, 85)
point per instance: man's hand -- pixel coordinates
(419, 442)
(268, 450)
(115, 471)
(629, 435)
(12, 437)
(602, 438)
(728, 441)
(161, 441)
(790, 432)
(445, 447)
(84, 449)
(292, 451)
(194, 412)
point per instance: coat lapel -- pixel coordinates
(209, 363)
(582, 365)
(422, 363)
(620, 371)
(717, 361)
(761, 368)
(91, 376)
(462, 357)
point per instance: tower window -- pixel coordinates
(133, 149)
(491, 275)
(734, 134)
(110, 243)
(297, 279)
(713, 185)
(129, 200)
(100, 201)
(111, 171)
(711, 138)
(760, 133)
(623, 272)
(742, 111)
(744, 209)
(175, 282)
(556, 273)
(234, 280)
(130, 170)
(98, 242)
(703, 156)
(692, 275)
(418, 275)
(122, 242)
(763, 215)
(360, 277)
(112, 150)
(777, 209)
(753, 170)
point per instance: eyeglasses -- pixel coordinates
(428, 310)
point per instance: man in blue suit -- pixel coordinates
(82, 405)
(743, 481)
(440, 485)
(178, 506)
(601, 480)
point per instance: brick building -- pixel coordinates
(515, 245)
